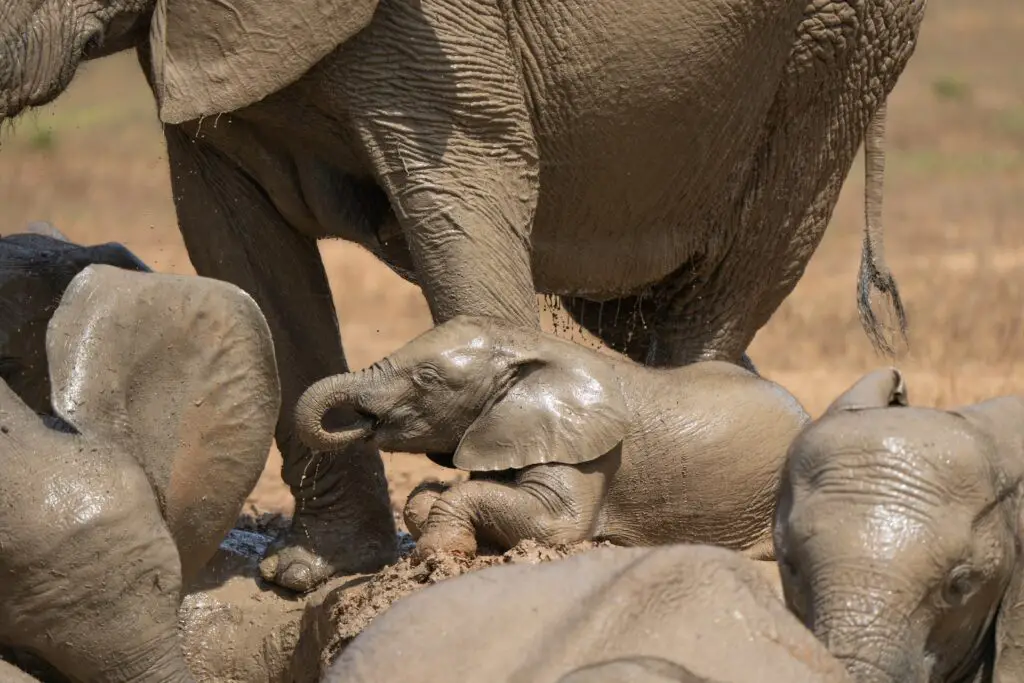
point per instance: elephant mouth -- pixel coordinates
(362, 427)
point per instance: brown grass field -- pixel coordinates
(93, 164)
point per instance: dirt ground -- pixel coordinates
(93, 163)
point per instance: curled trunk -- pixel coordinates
(331, 416)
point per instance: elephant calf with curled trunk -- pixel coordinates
(565, 443)
(164, 399)
(900, 532)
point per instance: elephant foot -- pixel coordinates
(315, 549)
(440, 539)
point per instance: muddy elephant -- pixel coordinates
(37, 263)
(576, 443)
(707, 613)
(899, 535)
(666, 168)
(165, 396)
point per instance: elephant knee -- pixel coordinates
(419, 504)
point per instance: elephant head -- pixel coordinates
(206, 57)
(36, 267)
(898, 535)
(91, 578)
(477, 393)
(179, 372)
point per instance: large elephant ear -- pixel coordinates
(563, 407)
(215, 56)
(180, 372)
(1009, 629)
(882, 388)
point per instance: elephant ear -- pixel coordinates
(564, 408)
(215, 56)
(1009, 628)
(882, 388)
(179, 371)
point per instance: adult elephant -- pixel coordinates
(674, 161)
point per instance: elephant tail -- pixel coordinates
(874, 271)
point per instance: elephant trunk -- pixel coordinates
(333, 414)
(164, 662)
(869, 637)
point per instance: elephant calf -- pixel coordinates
(679, 614)
(598, 447)
(900, 532)
(164, 399)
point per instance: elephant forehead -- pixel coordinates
(907, 443)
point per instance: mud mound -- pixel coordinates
(347, 611)
(235, 627)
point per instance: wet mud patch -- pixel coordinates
(236, 627)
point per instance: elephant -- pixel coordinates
(899, 535)
(606, 615)
(165, 398)
(36, 266)
(12, 674)
(576, 443)
(666, 169)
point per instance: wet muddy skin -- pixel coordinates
(237, 627)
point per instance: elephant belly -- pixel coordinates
(648, 116)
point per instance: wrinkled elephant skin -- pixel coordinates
(899, 535)
(564, 443)
(666, 167)
(683, 613)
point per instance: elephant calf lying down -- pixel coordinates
(681, 613)
(900, 535)
(164, 396)
(599, 447)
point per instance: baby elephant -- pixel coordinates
(670, 614)
(900, 533)
(165, 396)
(600, 447)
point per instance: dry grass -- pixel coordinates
(93, 164)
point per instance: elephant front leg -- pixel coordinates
(548, 503)
(443, 118)
(343, 521)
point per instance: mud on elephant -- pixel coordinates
(475, 149)
(164, 399)
(899, 535)
(565, 443)
(681, 613)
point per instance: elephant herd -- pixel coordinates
(878, 542)
(667, 169)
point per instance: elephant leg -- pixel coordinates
(343, 521)
(443, 118)
(550, 503)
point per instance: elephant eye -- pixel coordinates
(960, 585)
(426, 374)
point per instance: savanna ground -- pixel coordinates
(94, 164)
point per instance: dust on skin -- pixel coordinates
(235, 626)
